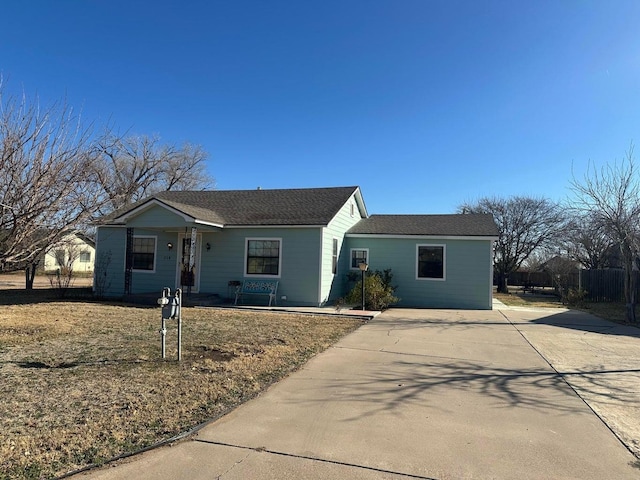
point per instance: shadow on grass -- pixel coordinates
(72, 294)
(44, 295)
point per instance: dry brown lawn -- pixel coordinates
(83, 382)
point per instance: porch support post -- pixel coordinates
(192, 258)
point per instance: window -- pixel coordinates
(431, 262)
(334, 257)
(85, 257)
(263, 256)
(144, 253)
(359, 256)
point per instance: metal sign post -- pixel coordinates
(171, 309)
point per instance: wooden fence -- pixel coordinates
(606, 285)
(600, 285)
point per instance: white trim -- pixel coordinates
(155, 202)
(320, 270)
(262, 227)
(421, 237)
(444, 262)
(147, 205)
(351, 257)
(209, 224)
(155, 254)
(246, 252)
(337, 243)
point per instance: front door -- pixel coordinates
(188, 278)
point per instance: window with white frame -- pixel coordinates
(334, 257)
(358, 256)
(85, 257)
(431, 260)
(144, 253)
(263, 256)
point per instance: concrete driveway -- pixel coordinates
(434, 394)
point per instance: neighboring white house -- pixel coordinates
(76, 251)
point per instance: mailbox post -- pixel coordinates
(171, 310)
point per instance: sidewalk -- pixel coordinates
(428, 394)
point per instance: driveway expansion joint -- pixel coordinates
(306, 457)
(563, 377)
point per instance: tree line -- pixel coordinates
(600, 217)
(58, 175)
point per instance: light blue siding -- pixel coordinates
(468, 271)
(111, 243)
(334, 286)
(110, 259)
(300, 249)
(225, 261)
(157, 216)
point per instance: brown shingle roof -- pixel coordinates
(302, 206)
(474, 225)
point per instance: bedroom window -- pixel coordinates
(263, 256)
(144, 253)
(431, 262)
(358, 256)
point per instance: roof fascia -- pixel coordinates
(209, 224)
(147, 205)
(360, 202)
(273, 226)
(422, 237)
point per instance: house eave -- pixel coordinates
(421, 237)
(273, 226)
(208, 224)
(146, 205)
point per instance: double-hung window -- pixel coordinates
(431, 264)
(144, 253)
(85, 257)
(263, 256)
(358, 256)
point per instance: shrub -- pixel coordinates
(575, 297)
(379, 293)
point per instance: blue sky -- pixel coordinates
(423, 104)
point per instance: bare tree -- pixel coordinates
(611, 195)
(588, 243)
(128, 169)
(66, 252)
(44, 189)
(525, 225)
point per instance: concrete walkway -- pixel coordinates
(433, 394)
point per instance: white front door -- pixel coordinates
(185, 276)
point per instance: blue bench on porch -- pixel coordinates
(258, 287)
